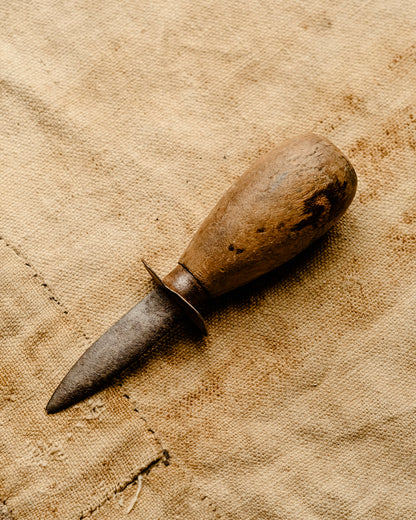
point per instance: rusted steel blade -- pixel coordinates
(128, 339)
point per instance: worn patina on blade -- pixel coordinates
(119, 347)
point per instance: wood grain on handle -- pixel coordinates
(278, 207)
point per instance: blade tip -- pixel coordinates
(53, 406)
(60, 400)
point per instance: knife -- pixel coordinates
(285, 201)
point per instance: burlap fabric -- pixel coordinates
(122, 123)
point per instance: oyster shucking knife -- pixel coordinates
(278, 207)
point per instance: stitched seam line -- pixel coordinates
(5, 513)
(163, 458)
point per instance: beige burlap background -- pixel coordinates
(122, 123)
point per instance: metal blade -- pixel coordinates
(121, 345)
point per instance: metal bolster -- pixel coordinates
(190, 291)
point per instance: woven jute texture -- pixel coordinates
(122, 123)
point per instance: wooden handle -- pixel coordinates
(277, 208)
(285, 201)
